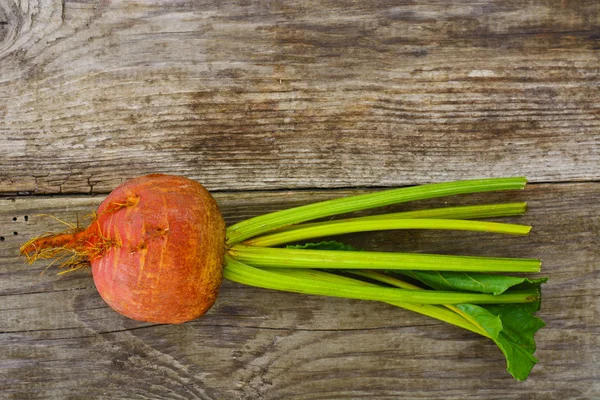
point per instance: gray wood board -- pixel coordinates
(296, 94)
(59, 340)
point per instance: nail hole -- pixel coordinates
(14, 218)
(15, 233)
(26, 218)
(1, 238)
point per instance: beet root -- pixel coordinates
(156, 248)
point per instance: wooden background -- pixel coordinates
(272, 104)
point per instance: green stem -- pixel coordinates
(339, 228)
(378, 276)
(238, 271)
(302, 258)
(265, 223)
(460, 212)
(405, 285)
(430, 310)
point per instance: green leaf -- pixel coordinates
(490, 323)
(474, 281)
(326, 245)
(512, 327)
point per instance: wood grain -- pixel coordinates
(276, 104)
(59, 340)
(296, 94)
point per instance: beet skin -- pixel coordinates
(156, 248)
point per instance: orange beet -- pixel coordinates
(156, 248)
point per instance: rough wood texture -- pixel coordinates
(296, 94)
(60, 340)
(257, 95)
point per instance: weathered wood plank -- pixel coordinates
(59, 340)
(296, 94)
(263, 95)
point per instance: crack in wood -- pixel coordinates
(90, 185)
(46, 291)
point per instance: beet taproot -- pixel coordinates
(156, 247)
